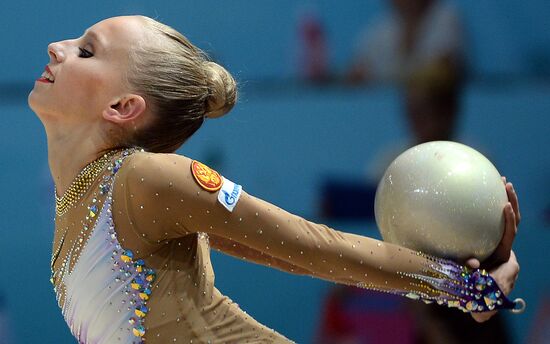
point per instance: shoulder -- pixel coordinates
(161, 170)
(152, 169)
(145, 160)
(153, 190)
(151, 163)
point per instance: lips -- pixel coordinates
(47, 76)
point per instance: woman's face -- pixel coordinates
(87, 74)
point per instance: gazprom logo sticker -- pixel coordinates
(229, 194)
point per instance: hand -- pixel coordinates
(512, 218)
(505, 275)
(506, 270)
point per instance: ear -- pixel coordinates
(125, 109)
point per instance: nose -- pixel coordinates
(56, 52)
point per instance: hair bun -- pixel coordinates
(222, 88)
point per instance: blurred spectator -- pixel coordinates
(436, 324)
(352, 315)
(314, 56)
(419, 45)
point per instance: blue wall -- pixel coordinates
(279, 142)
(262, 41)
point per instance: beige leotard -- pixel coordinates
(133, 257)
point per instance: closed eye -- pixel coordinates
(84, 53)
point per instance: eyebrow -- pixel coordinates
(94, 36)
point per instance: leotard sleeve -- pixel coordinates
(166, 200)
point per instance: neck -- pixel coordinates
(70, 149)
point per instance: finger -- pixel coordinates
(513, 257)
(502, 252)
(473, 263)
(510, 229)
(514, 260)
(513, 198)
(504, 180)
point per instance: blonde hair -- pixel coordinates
(180, 85)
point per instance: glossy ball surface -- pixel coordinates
(442, 198)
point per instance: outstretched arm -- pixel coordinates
(181, 206)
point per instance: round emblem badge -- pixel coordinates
(207, 178)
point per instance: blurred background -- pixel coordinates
(331, 92)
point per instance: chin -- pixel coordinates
(31, 100)
(35, 104)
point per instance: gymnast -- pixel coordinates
(135, 222)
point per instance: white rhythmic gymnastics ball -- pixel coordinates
(442, 198)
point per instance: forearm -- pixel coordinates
(314, 248)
